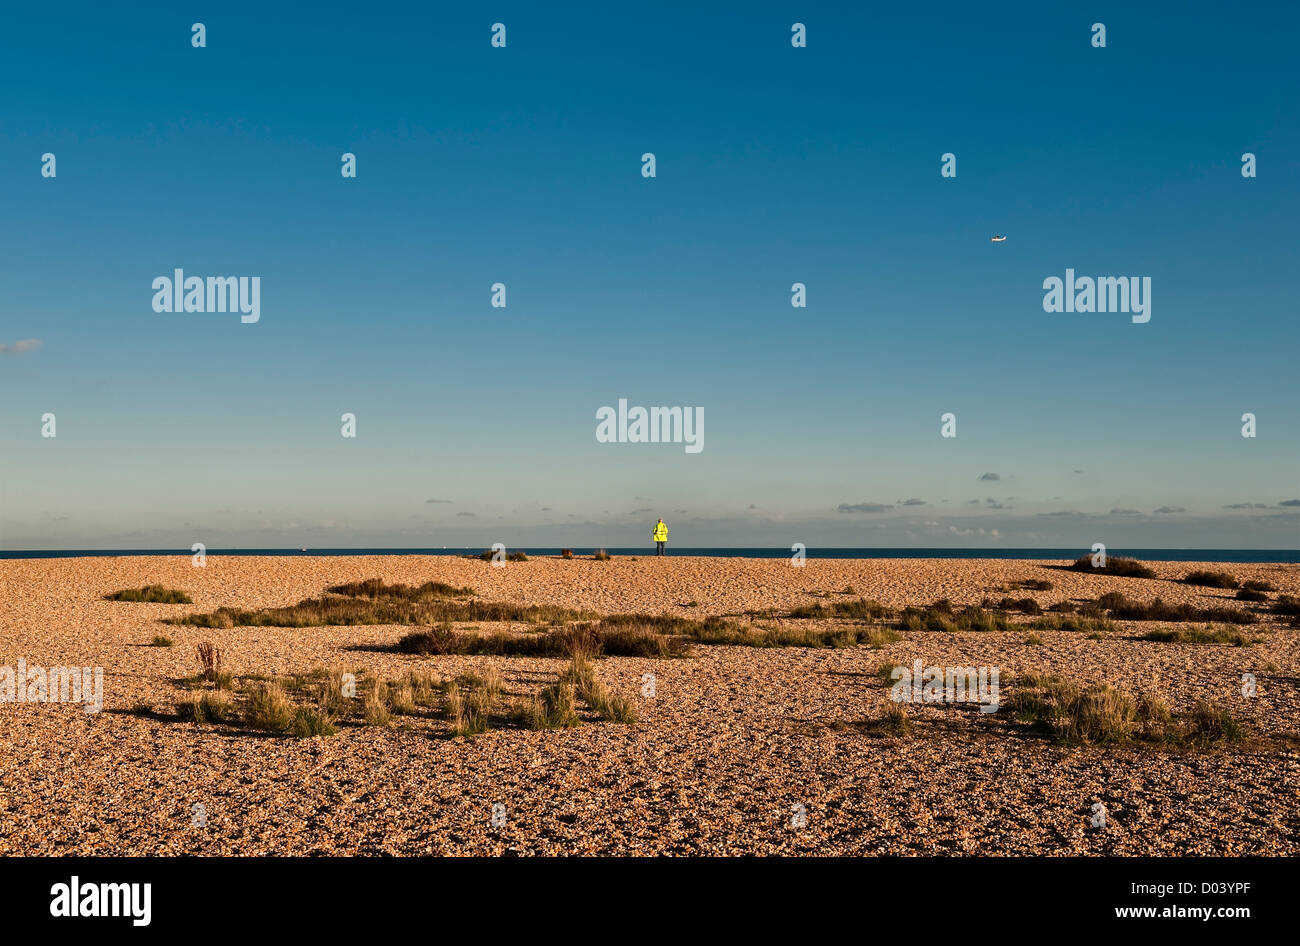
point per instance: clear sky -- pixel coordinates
(522, 165)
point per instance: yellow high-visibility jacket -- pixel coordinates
(661, 532)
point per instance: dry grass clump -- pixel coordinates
(1030, 584)
(1208, 724)
(469, 708)
(210, 671)
(1208, 579)
(152, 594)
(468, 702)
(210, 707)
(557, 706)
(941, 616)
(638, 641)
(1125, 609)
(1099, 715)
(313, 703)
(1287, 605)
(1025, 605)
(400, 697)
(613, 707)
(884, 673)
(1258, 585)
(1123, 567)
(309, 721)
(374, 708)
(269, 709)
(161, 640)
(892, 722)
(623, 639)
(1250, 594)
(1199, 635)
(637, 635)
(774, 636)
(1074, 622)
(861, 609)
(601, 556)
(419, 606)
(374, 589)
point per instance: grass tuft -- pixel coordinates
(941, 616)
(1199, 635)
(1208, 579)
(1125, 609)
(1097, 714)
(1123, 567)
(270, 709)
(893, 722)
(153, 594)
(1259, 585)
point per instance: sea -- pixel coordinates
(1157, 555)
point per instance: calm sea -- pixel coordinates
(1159, 555)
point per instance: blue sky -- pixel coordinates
(775, 165)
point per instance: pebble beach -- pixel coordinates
(740, 750)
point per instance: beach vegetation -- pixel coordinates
(1125, 609)
(1097, 714)
(1199, 635)
(1209, 579)
(152, 594)
(1259, 585)
(1122, 567)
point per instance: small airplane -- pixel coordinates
(998, 239)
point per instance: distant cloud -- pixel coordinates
(1078, 471)
(1126, 512)
(954, 530)
(643, 499)
(752, 506)
(17, 348)
(637, 512)
(913, 502)
(862, 507)
(546, 509)
(973, 502)
(993, 503)
(467, 515)
(1290, 502)
(437, 500)
(1168, 510)
(990, 476)
(1256, 505)
(1061, 514)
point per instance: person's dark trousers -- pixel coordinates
(659, 548)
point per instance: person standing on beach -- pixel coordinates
(661, 537)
